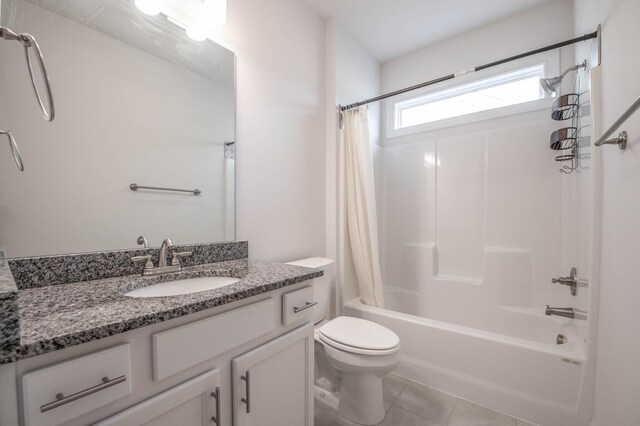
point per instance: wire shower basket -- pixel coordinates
(565, 107)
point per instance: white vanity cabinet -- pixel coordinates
(239, 364)
(272, 384)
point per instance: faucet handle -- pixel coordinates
(175, 258)
(571, 281)
(148, 264)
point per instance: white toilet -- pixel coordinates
(352, 355)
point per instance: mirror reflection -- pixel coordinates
(138, 100)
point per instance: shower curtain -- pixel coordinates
(362, 221)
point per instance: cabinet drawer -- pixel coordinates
(297, 305)
(61, 392)
(183, 347)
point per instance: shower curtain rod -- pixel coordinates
(595, 34)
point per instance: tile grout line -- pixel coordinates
(404, 386)
(455, 404)
(413, 412)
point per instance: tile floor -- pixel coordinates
(410, 404)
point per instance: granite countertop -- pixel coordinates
(63, 315)
(8, 287)
(9, 333)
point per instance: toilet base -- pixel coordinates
(361, 398)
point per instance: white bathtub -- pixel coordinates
(529, 377)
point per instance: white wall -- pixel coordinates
(280, 163)
(123, 116)
(617, 390)
(529, 30)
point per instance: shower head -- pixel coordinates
(550, 85)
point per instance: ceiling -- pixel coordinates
(391, 28)
(121, 20)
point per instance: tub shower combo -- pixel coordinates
(486, 251)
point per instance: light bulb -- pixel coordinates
(148, 7)
(196, 33)
(216, 11)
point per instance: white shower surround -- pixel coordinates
(475, 221)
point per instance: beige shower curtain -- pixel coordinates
(361, 206)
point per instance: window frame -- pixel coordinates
(549, 60)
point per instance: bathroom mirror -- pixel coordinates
(137, 101)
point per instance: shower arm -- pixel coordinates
(574, 68)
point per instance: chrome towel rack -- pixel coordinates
(14, 149)
(621, 140)
(135, 187)
(29, 41)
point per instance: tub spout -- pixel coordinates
(565, 312)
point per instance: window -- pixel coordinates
(513, 88)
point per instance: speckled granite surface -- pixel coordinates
(55, 317)
(7, 284)
(9, 330)
(31, 272)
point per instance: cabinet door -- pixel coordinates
(273, 383)
(191, 403)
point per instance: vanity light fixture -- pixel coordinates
(174, 21)
(148, 7)
(216, 12)
(211, 13)
(194, 32)
(197, 34)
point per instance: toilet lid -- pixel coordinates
(356, 333)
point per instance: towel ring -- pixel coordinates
(14, 149)
(27, 41)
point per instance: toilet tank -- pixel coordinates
(321, 285)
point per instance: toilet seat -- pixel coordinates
(358, 336)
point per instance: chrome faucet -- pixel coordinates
(565, 312)
(163, 267)
(162, 256)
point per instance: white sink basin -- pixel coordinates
(188, 286)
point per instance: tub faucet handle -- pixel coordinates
(571, 281)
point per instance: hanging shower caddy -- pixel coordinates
(566, 139)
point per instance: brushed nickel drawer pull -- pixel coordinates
(307, 305)
(216, 395)
(62, 400)
(247, 400)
